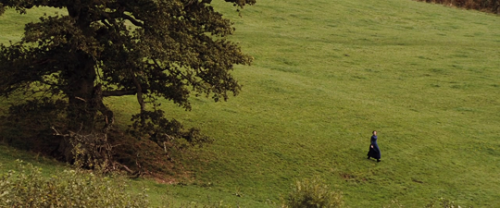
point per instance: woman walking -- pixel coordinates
(374, 150)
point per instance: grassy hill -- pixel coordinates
(327, 73)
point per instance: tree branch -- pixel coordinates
(133, 20)
(118, 93)
(140, 99)
(124, 16)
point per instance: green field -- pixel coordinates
(326, 73)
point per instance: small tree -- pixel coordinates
(96, 49)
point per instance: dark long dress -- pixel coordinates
(375, 151)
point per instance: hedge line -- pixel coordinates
(492, 6)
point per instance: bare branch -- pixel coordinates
(119, 14)
(79, 98)
(133, 20)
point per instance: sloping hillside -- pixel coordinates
(326, 73)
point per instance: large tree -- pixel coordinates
(100, 48)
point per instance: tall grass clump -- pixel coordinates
(28, 188)
(312, 193)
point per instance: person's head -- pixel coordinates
(374, 132)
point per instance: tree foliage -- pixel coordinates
(152, 49)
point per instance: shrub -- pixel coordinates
(312, 194)
(492, 6)
(28, 188)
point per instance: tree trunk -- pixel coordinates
(80, 91)
(84, 101)
(81, 114)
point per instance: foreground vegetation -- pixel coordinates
(69, 188)
(327, 73)
(28, 188)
